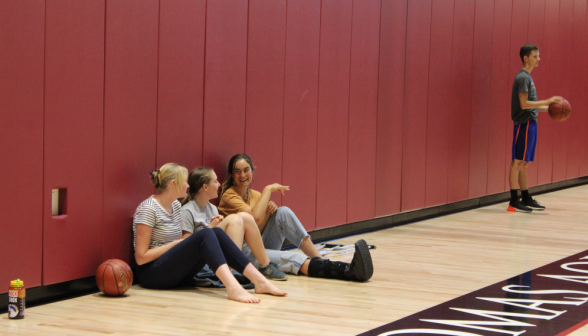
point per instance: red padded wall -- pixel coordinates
(180, 85)
(130, 107)
(576, 130)
(300, 108)
(414, 138)
(21, 140)
(460, 92)
(536, 35)
(225, 79)
(265, 90)
(363, 110)
(499, 124)
(74, 92)
(333, 113)
(480, 104)
(562, 129)
(390, 106)
(438, 101)
(548, 88)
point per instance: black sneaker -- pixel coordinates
(518, 206)
(533, 204)
(361, 267)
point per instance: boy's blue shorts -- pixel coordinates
(524, 141)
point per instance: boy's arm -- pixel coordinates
(543, 105)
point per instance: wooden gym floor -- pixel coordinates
(417, 266)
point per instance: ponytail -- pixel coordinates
(196, 179)
(161, 178)
(155, 178)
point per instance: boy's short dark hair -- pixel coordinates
(526, 50)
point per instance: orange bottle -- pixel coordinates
(16, 299)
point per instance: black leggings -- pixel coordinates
(183, 261)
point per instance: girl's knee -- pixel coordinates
(214, 230)
(284, 210)
(200, 235)
(249, 222)
(235, 220)
(285, 216)
(246, 217)
(218, 232)
(206, 232)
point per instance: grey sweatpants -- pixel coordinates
(282, 224)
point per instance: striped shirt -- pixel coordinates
(166, 227)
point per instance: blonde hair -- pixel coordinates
(163, 176)
(197, 178)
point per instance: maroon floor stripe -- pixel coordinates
(574, 328)
(550, 300)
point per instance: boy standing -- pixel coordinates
(524, 111)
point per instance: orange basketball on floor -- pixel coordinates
(114, 277)
(560, 112)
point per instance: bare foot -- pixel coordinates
(239, 294)
(266, 287)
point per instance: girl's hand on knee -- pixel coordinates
(271, 207)
(215, 221)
